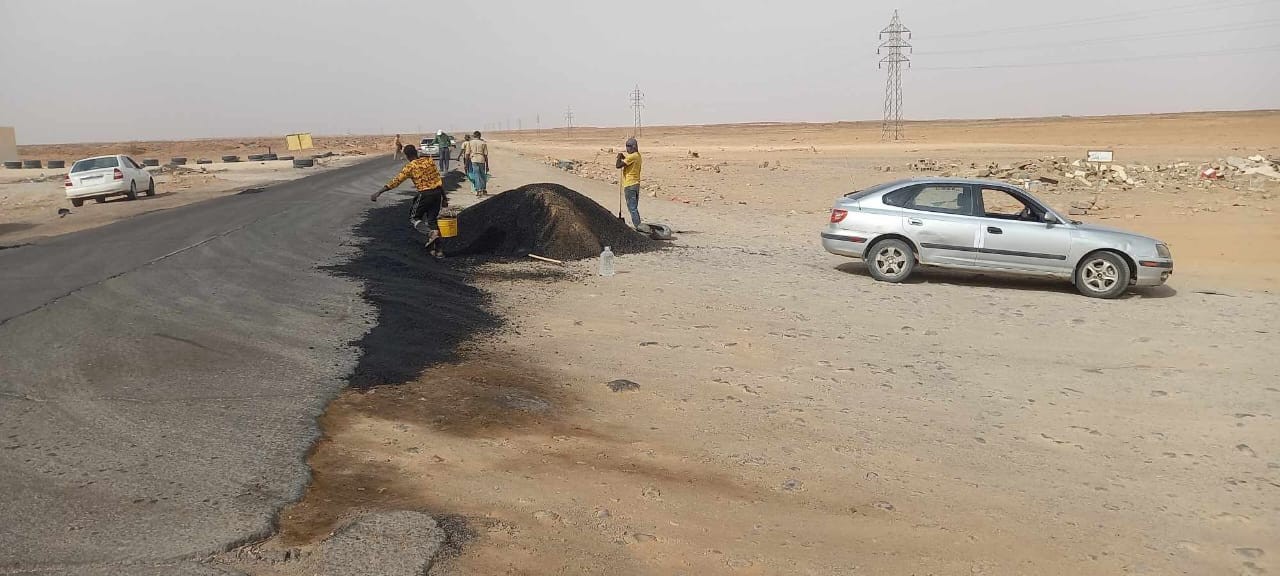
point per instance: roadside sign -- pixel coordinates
(299, 141)
(1101, 156)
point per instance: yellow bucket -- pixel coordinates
(448, 227)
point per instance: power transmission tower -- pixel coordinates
(637, 103)
(892, 42)
(568, 120)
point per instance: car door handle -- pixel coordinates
(915, 221)
(994, 230)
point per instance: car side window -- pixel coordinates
(1002, 204)
(130, 163)
(944, 198)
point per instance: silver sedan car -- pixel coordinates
(989, 226)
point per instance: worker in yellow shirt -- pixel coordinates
(630, 164)
(426, 207)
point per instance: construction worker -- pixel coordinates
(426, 207)
(464, 155)
(477, 152)
(630, 163)
(444, 143)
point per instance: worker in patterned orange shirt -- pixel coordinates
(426, 207)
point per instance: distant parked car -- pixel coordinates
(987, 226)
(428, 148)
(106, 176)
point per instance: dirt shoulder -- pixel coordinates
(794, 416)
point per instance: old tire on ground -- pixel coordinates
(99, 200)
(13, 165)
(150, 162)
(204, 161)
(133, 191)
(57, 164)
(151, 187)
(178, 161)
(32, 164)
(272, 157)
(1102, 275)
(890, 260)
(257, 157)
(303, 162)
(77, 202)
(230, 158)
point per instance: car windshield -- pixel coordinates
(95, 164)
(872, 190)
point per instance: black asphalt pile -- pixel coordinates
(425, 309)
(544, 219)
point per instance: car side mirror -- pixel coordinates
(1050, 219)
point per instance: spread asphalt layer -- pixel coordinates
(160, 376)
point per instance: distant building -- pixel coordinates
(8, 145)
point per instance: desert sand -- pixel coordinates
(794, 416)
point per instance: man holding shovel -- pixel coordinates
(426, 207)
(630, 164)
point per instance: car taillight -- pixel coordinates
(66, 181)
(838, 215)
(119, 174)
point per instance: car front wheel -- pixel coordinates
(1102, 275)
(891, 260)
(133, 191)
(151, 188)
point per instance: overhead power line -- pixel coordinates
(1112, 18)
(1232, 51)
(1115, 39)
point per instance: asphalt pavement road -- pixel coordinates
(160, 376)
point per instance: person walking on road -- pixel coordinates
(444, 143)
(477, 151)
(399, 146)
(466, 160)
(426, 207)
(630, 163)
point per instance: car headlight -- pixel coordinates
(1162, 250)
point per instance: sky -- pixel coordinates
(107, 70)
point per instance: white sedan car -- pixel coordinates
(106, 176)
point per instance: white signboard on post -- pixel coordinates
(1101, 156)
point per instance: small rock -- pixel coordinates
(623, 385)
(793, 485)
(883, 505)
(642, 538)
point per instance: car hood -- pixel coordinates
(1088, 227)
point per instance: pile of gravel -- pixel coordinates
(543, 219)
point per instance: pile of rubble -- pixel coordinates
(1054, 171)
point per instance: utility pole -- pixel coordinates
(637, 103)
(568, 120)
(891, 44)
(538, 119)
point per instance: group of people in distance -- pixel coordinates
(474, 153)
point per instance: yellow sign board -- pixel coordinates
(299, 141)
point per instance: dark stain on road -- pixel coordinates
(424, 308)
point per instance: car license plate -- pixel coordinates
(88, 179)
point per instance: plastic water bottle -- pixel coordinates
(606, 262)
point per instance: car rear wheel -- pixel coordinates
(100, 200)
(151, 188)
(891, 260)
(1102, 275)
(77, 202)
(133, 191)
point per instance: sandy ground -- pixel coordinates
(30, 198)
(793, 416)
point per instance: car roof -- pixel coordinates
(940, 180)
(97, 157)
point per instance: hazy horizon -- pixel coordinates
(239, 68)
